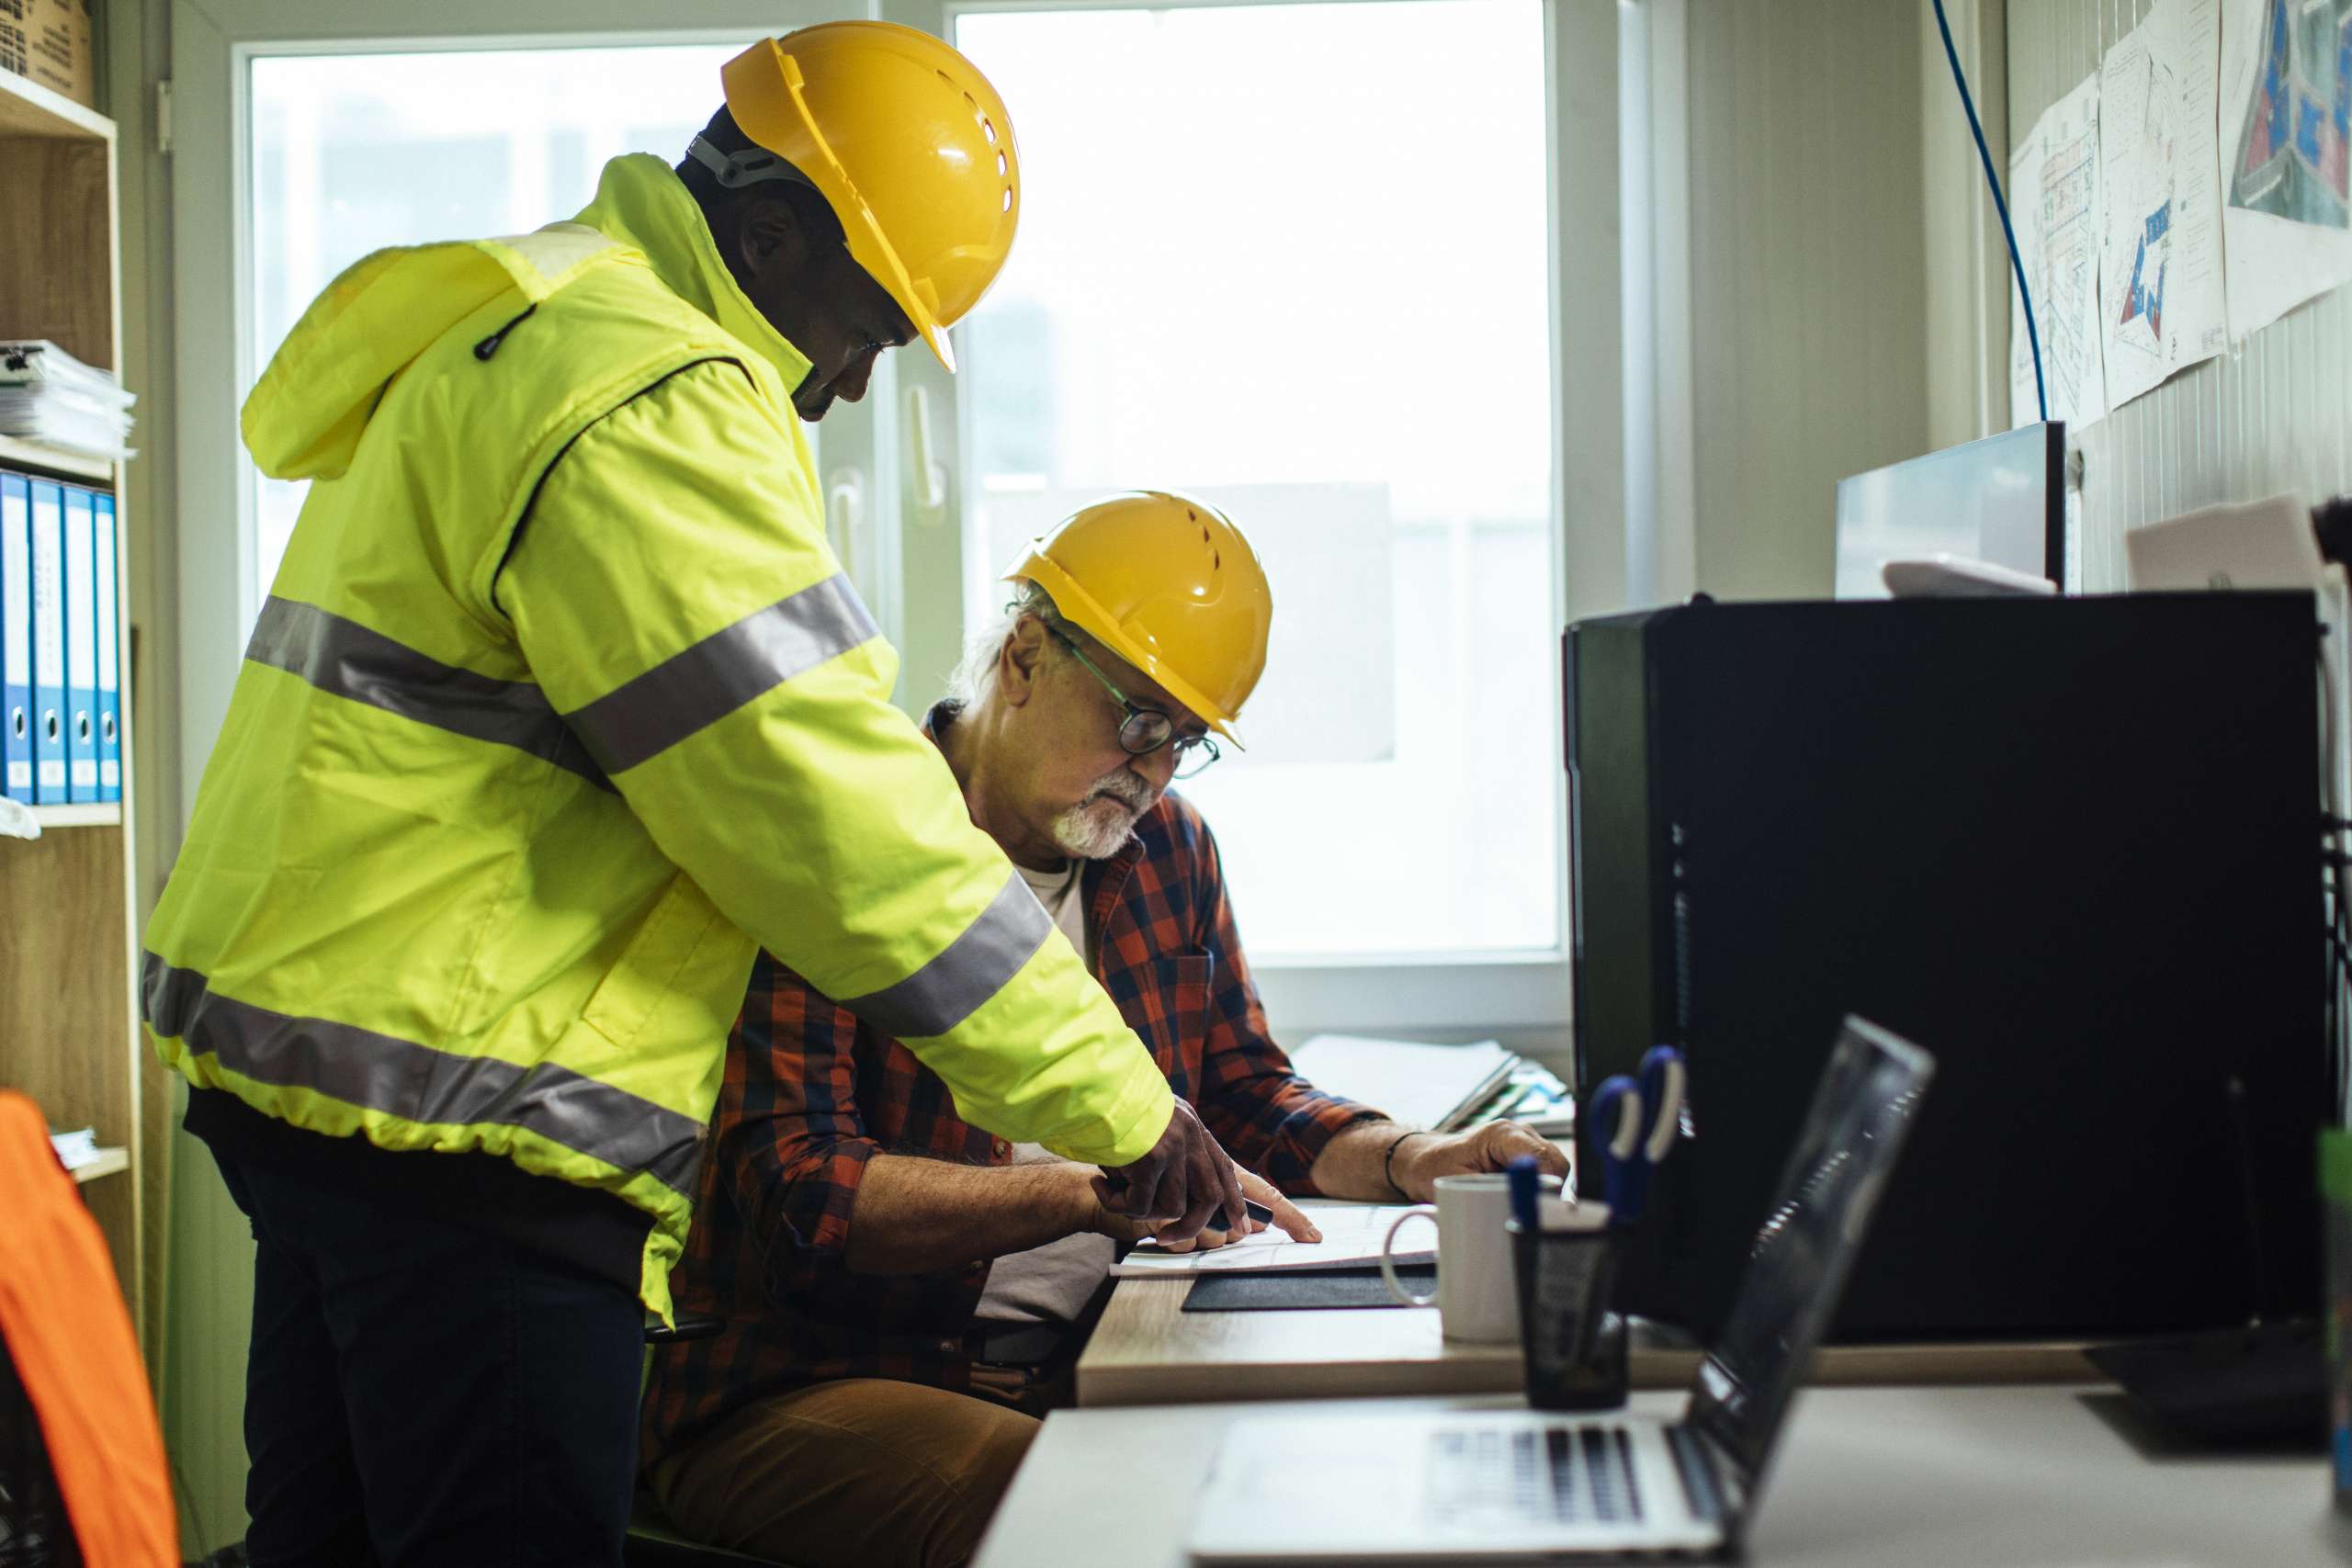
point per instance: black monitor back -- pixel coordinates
(2068, 845)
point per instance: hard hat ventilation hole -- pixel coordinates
(1008, 198)
(988, 129)
(1216, 561)
(999, 163)
(1192, 516)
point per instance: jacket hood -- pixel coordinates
(305, 415)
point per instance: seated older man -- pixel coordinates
(891, 1279)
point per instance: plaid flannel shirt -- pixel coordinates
(810, 1095)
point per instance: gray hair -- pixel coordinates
(975, 676)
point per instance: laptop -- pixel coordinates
(1523, 1486)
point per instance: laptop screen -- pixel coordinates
(1797, 1266)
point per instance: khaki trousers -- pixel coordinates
(867, 1472)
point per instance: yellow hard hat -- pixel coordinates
(909, 143)
(1169, 585)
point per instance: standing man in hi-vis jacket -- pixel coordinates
(560, 709)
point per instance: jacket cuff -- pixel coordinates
(1133, 1124)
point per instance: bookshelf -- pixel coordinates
(110, 1162)
(23, 455)
(69, 1030)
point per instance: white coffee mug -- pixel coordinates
(1475, 1297)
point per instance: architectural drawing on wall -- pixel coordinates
(2295, 148)
(2054, 201)
(2287, 95)
(2159, 275)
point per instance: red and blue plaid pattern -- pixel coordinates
(810, 1095)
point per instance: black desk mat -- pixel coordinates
(1291, 1289)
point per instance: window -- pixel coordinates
(1293, 258)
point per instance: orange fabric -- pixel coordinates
(68, 1333)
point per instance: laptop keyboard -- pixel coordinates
(1580, 1475)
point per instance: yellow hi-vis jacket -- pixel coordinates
(559, 705)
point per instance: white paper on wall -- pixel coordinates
(2055, 207)
(2286, 136)
(2160, 263)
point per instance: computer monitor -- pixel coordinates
(2001, 500)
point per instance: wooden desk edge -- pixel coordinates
(1842, 1366)
(1147, 1350)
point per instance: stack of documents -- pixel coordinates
(75, 1149)
(1443, 1087)
(47, 395)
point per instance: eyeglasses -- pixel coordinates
(1145, 730)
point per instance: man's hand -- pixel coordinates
(1288, 1216)
(1184, 1179)
(1425, 1156)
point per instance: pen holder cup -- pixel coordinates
(1575, 1346)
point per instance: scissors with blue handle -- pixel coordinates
(1637, 1123)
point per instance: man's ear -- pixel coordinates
(768, 237)
(1018, 660)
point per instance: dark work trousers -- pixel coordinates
(420, 1393)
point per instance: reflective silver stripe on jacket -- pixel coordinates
(348, 660)
(973, 967)
(702, 685)
(417, 1083)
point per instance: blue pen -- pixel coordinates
(1523, 1173)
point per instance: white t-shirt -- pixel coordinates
(1059, 892)
(1051, 1283)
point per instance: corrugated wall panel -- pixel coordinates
(2274, 414)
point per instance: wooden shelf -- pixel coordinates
(17, 452)
(103, 814)
(108, 1162)
(27, 108)
(69, 908)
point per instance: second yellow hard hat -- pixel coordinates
(1167, 584)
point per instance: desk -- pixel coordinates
(2042, 1477)
(1147, 1350)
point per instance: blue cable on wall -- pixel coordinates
(2017, 262)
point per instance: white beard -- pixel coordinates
(1097, 828)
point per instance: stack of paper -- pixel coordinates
(48, 396)
(75, 1149)
(1438, 1086)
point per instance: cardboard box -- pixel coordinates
(49, 41)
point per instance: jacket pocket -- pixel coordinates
(651, 967)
